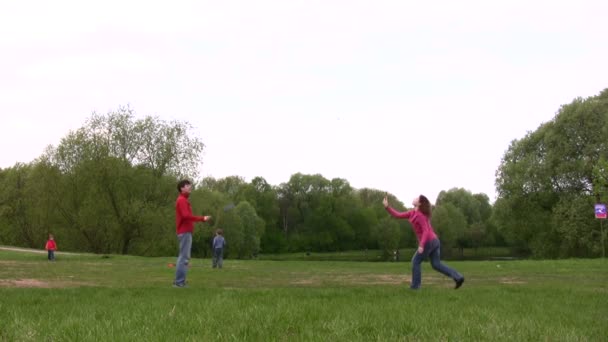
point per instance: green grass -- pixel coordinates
(122, 298)
(482, 253)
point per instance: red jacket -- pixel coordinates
(184, 220)
(50, 245)
(420, 224)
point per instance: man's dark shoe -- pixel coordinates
(459, 283)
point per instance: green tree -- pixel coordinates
(576, 231)
(464, 200)
(252, 229)
(205, 201)
(549, 173)
(450, 224)
(232, 186)
(362, 222)
(477, 211)
(18, 206)
(116, 179)
(388, 234)
(264, 199)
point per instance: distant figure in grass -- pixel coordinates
(184, 222)
(51, 247)
(428, 243)
(218, 248)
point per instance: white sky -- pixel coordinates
(405, 96)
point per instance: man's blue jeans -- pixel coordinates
(185, 245)
(432, 250)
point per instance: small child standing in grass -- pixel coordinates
(51, 247)
(218, 248)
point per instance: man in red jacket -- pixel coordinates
(184, 225)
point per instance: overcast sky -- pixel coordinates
(408, 97)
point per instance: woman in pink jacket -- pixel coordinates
(428, 243)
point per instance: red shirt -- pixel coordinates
(420, 224)
(184, 220)
(50, 245)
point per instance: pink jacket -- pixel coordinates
(420, 224)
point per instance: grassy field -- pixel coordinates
(122, 298)
(484, 253)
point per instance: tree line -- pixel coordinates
(549, 181)
(110, 187)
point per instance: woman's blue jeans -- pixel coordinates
(432, 249)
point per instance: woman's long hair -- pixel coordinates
(424, 206)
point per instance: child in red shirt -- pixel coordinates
(51, 247)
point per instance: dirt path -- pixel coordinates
(31, 250)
